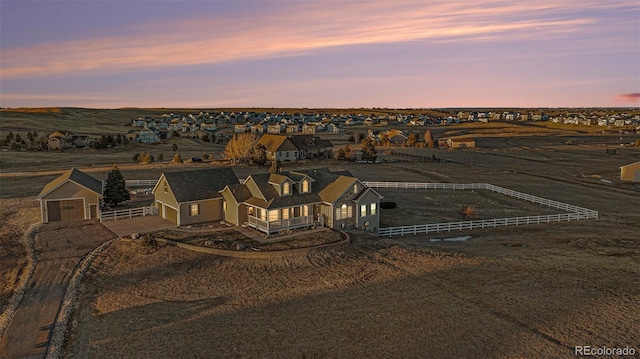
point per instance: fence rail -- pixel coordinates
(128, 213)
(140, 182)
(487, 223)
(575, 213)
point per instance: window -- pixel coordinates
(273, 215)
(166, 188)
(224, 206)
(305, 210)
(373, 208)
(285, 213)
(355, 188)
(363, 210)
(262, 214)
(194, 209)
(344, 212)
(305, 186)
(286, 188)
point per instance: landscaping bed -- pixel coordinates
(235, 240)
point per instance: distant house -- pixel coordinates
(74, 195)
(240, 128)
(82, 141)
(397, 137)
(309, 128)
(461, 142)
(291, 148)
(333, 128)
(274, 128)
(293, 128)
(192, 196)
(147, 135)
(630, 172)
(272, 202)
(60, 140)
(258, 128)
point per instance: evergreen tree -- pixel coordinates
(369, 152)
(145, 158)
(260, 155)
(428, 139)
(412, 140)
(115, 190)
(275, 166)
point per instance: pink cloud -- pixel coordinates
(298, 29)
(629, 97)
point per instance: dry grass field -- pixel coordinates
(16, 214)
(527, 291)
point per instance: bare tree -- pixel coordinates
(240, 147)
(467, 212)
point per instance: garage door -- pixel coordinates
(171, 214)
(65, 210)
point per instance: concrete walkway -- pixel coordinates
(60, 246)
(143, 224)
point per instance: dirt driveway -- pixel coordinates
(59, 248)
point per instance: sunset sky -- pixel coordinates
(398, 54)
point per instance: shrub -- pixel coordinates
(388, 205)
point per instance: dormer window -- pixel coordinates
(305, 186)
(286, 188)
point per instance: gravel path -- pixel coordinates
(59, 248)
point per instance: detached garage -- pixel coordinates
(73, 196)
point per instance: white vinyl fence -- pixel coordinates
(128, 213)
(575, 213)
(140, 183)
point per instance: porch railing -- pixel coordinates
(280, 224)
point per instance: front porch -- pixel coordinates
(280, 224)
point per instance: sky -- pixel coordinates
(320, 54)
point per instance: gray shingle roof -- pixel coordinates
(327, 186)
(200, 184)
(76, 176)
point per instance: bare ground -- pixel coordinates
(15, 217)
(528, 291)
(379, 298)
